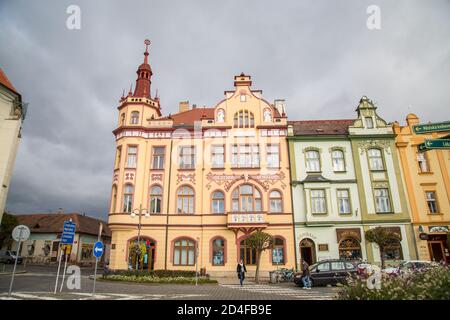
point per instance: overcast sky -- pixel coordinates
(318, 55)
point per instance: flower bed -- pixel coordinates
(156, 279)
(432, 284)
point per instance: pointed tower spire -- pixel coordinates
(144, 73)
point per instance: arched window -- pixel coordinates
(218, 202)
(276, 202)
(184, 252)
(155, 199)
(393, 251)
(375, 159)
(113, 199)
(247, 253)
(246, 198)
(337, 157)
(218, 252)
(244, 119)
(278, 251)
(134, 117)
(128, 198)
(349, 249)
(312, 161)
(185, 200)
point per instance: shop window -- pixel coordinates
(349, 249)
(278, 251)
(393, 251)
(247, 253)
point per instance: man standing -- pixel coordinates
(241, 270)
(306, 276)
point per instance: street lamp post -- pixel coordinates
(139, 212)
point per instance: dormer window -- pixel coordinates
(369, 122)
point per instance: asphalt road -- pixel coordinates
(39, 283)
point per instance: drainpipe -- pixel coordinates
(292, 202)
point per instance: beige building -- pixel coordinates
(12, 113)
(206, 177)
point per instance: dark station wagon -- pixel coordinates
(329, 272)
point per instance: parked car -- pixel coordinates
(9, 256)
(411, 265)
(329, 272)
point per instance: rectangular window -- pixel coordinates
(375, 160)
(312, 161)
(369, 123)
(132, 157)
(343, 196)
(318, 202)
(187, 157)
(423, 162)
(382, 201)
(245, 156)
(218, 156)
(158, 157)
(273, 155)
(338, 161)
(431, 202)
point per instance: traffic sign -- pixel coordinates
(68, 234)
(98, 249)
(21, 233)
(435, 144)
(431, 127)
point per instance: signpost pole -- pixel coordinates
(15, 263)
(64, 272)
(196, 262)
(57, 274)
(96, 259)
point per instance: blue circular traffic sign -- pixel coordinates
(98, 249)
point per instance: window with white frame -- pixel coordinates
(273, 155)
(134, 117)
(245, 156)
(276, 201)
(218, 202)
(423, 162)
(338, 160)
(158, 157)
(318, 201)
(128, 198)
(343, 196)
(185, 200)
(132, 157)
(382, 202)
(312, 161)
(155, 199)
(432, 202)
(246, 198)
(187, 157)
(369, 122)
(218, 156)
(375, 159)
(244, 119)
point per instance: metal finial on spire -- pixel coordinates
(147, 43)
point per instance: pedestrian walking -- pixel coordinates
(241, 270)
(306, 276)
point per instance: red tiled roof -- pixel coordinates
(53, 223)
(188, 117)
(321, 127)
(5, 81)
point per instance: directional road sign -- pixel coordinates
(98, 249)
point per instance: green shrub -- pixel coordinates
(433, 284)
(155, 273)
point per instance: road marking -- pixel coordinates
(295, 293)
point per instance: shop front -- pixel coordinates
(433, 240)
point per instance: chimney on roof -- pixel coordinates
(183, 106)
(280, 105)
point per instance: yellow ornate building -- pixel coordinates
(203, 178)
(427, 181)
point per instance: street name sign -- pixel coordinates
(68, 234)
(435, 144)
(98, 249)
(431, 127)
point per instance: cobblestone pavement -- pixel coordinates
(39, 282)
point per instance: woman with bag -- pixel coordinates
(241, 270)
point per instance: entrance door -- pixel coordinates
(150, 256)
(307, 251)
(436, 250)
